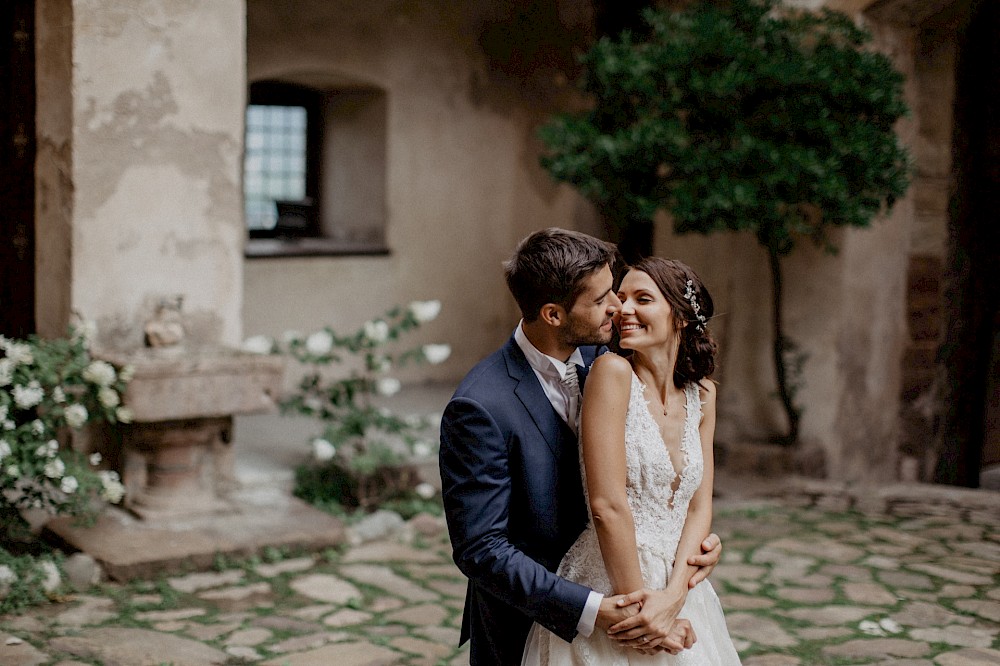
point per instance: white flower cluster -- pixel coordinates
(323, 450)
(376, 331)
(319, 343)
(112, 489)
(100, 373)
(26, 397)
(436, 354)
(425, 311)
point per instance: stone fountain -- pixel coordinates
(183, 503)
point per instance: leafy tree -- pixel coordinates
(741, 116)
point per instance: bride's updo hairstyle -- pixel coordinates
(692, 309)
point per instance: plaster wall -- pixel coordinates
(463, 183)
(150, 148)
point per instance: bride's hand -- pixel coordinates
(659, 609)
(681, 637)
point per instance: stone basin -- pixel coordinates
(178, 383)
(176, 458)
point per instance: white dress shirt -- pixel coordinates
(551, 372)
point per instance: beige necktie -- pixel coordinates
(571, 386)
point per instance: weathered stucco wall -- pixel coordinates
(150, 151)
(463, 181)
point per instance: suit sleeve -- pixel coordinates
(476, 488)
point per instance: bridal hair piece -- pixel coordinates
(690, 298)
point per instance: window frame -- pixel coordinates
(280, 93)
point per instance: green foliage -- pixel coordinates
(366, 452)
(24, 579)
(49, 388)
(737, 117)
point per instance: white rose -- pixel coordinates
(69, 484)
(323, 450)
(387, 386)
(37, 427)
(19, 353)
(59, 395)
(95, 459)
(377, 331)
(258, 344)
(421, 449)
(424, 311)
(319, 343)
(108, 397)
(85, 330)
(76, 416)
(111, 488)
(51, 580)
(5, 449)
(54, 468)
(124, 415)
(127, 373)
(6, 371)
(14, 471)
(28, 396)
(101, 373)
(436, 353)
(425, 491)
(9, 424)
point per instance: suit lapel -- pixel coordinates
(529, 392)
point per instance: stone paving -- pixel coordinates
(800, 584)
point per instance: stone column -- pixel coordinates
(141, 112)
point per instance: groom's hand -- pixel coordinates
(711, 552)
(610, 613)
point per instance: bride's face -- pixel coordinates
(645, 319)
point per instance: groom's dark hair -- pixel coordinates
(550, 265)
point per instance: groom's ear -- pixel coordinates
(552, 314)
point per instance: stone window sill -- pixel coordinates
(262, 248)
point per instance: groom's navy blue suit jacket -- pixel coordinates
(513, 497)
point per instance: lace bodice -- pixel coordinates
(659, 513)
(658, 510)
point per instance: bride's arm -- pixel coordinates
(661, 607)
(602, 428)
(699, 517)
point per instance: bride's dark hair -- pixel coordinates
(697, 352)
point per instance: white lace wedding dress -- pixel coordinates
(659, 513)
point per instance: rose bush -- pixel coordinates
(365, 454)
(49, 388)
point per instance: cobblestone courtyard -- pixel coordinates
(800, 585)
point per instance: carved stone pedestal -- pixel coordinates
(180, 467)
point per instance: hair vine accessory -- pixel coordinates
(690, 298)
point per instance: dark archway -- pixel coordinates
(17, 168)
(970, 349)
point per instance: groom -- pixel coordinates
(510, 465)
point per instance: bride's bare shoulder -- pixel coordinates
(611, 368)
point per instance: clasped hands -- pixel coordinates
(646, 620)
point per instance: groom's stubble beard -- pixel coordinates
(578, 334)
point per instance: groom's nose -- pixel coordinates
(614, 304)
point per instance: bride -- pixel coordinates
(647, 427)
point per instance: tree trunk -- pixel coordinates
(781, 346)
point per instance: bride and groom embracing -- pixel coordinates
(585, 532)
